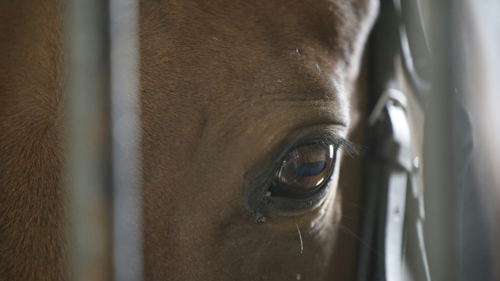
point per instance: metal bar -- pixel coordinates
(478, 41)
(125, 104)
(440, 191)
(88, 120)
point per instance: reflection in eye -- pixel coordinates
(305, 169)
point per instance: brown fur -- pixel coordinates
(222, 84)
(32, 222)
(232, 87)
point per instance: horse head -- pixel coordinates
(232, 92)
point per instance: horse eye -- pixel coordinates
(305, 170)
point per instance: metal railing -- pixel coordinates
(104, 132)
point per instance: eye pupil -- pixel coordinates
(310, 169)
(305, 170)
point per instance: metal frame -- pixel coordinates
(104, 129)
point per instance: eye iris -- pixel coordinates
(305, 169)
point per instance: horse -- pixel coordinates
(248, 111)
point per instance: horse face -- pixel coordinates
(229, 90)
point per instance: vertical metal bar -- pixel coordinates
(126, 140)
(480, 214)
(88, 120)
(440, 191)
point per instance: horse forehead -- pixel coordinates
(227, 52)
(274, 23)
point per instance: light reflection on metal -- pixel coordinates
(438, 161)
(125, 104)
